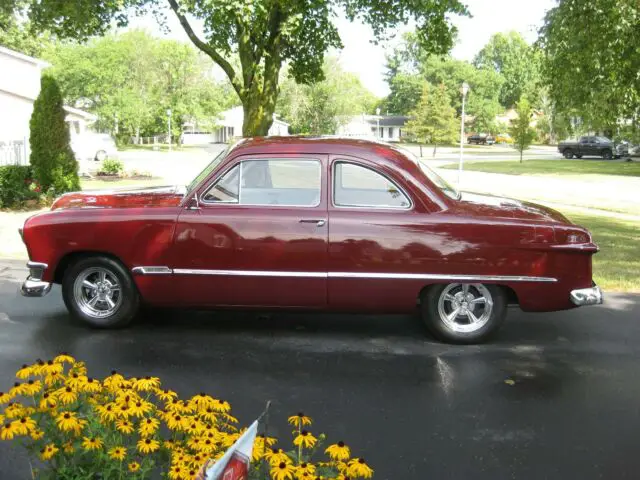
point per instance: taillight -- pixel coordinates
(572, 237)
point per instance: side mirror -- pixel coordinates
(194, 203)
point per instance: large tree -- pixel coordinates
(517, 62)
(592, 53)
(264, 34)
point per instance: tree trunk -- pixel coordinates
(521, 152)
(258, 118)
(435, 146)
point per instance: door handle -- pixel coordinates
(318, 222)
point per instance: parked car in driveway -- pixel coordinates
(481, 139)
(313, 224)
(504, 138)
(589, 146)
(93, 146)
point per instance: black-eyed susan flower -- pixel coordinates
(68, 447)
(123, 410)
(276, 455)
(357, 467)
(25, 425)
(107, 412)
(117, 453)
(305, 439)
(169, 444)
(338, 451)
(32, 387)
(64, 358)
(48, 452)
(177, 472)
(140, 408)
(201, 401)
(25, 372)
(113, 381)
(299, 420)
(124, 426)
(305, 467)
(148, 426)
(283, 471)
(207, 446)
(49, 367)
(47, 401)
(174, 422)
(36, 434)
(92, 443)
(68, 421)
(66, 395)
(229, 418)
(133, 467)
(165, 395)
(146, 384)
(192, 426)
(5, 398)
(148, 445)
(8, 431)
(76, 381)
(90, 386)
(17, 389)
(221, 406)
(53, 379)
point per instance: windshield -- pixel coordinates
(207, 170)
(439, 182)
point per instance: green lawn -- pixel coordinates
(553, 167)
(617, 266)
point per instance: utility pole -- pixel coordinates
(169, 127)
(464, 89)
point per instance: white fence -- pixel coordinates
(14, 152)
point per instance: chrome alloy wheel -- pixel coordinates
(97, 292)
(465, 308)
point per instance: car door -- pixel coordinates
(258, 236)
(372, 221)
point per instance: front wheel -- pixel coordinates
(464, 313)
(100, 292)
(568, 154)
(607, 154)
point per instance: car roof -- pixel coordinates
(322, 144)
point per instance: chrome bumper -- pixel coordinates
(33, 286)
(587, 296)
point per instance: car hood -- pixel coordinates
(122, 198)
(479, 205)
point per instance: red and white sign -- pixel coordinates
(234, 464)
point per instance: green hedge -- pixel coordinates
(14, 185)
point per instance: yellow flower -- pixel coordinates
(305, 468)
(174, 422)
(283, 471)
(48, 452)
(338, 451)
(14, 410)
(66, 395)
(201, 401)
(140, 408)
(113, 381)
(123, 410)
(64, 358)
(8, 431)
(147, 383)
(53, 378)
(118, 453)
(221, 406)
(359, 468)
(176, 472)
(169, 444)
(305, 439)
(124, 426)
(37, 434)
(5, 398)
(31, 387)
(148, 427)
(25, 372)
(76, 381)
(134, 467)
(50, 367)
(165, 395)
(47, 401)
(25, 425)
(91, 385)
(192, 426)
(17, 389)
(299, 420)
(259, 445)
(68, 448)
(230, 418)
(107, 412)
(67, 421)
(92, 443)
(275, 456)
(148, 445)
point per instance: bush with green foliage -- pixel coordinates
(112, 167)
(54, 164)
(15, 183)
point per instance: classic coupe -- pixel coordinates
(311, 224)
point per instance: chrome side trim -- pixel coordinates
(435, 276)
(152, 270)
(387, 276)
(249, 273)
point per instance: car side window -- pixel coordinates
(280, 182)
(358, 186)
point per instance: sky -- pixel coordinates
(367, 60)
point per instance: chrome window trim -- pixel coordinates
(152, 270)
(239, 202)
(338, 160)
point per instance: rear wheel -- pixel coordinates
(464, 313)
(568, 154)
(607, 154)
(100, 292)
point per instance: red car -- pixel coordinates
(311, 224)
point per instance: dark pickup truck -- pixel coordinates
(594, 146)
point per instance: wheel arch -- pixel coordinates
(71, 257)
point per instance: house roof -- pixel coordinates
(391, 120)
(23, 57)
(90, 117)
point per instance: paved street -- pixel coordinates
(415, 409)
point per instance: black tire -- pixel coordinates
(439, 329)
(607, 154)
(568, 154)
(127, 297)
(101, 155)
(578, 156)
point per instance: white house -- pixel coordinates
(230, 125)
(19, 87)
(383, 127)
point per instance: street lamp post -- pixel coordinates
(378, 123)
(169, 126)
(464, 89)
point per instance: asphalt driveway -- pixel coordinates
(415, 409)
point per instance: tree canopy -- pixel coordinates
(264, 34)
(592, 59)
(521, 130)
